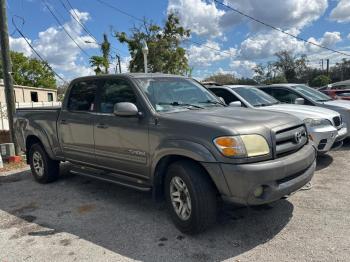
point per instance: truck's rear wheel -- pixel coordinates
(191, 197)
(44, 169)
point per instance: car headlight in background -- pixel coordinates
(242, 146)
(312, 122)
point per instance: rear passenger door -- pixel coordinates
(121, 143)
(76, 123)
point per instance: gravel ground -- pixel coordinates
(78, 219)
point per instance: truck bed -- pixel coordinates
(40, 122)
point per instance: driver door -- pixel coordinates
(121, 143)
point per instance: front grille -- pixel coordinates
(290, 140)
(337, 121)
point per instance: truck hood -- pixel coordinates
(235, 118)
(303, 111)
(339, 103)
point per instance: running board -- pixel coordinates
(134, 183)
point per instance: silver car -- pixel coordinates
(325, 126)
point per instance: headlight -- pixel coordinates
(312, 122)
(242, 146)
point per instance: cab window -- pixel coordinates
(115, 91)
(82, 96)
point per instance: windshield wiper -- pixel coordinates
(323, 100)
(212, 102)
(180, 104)
(259, 105)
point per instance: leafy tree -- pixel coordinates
(276, 80)
(221, 79)
(268, 74)
(320, 80)
(341, 71)
(101, 63)
(97, 62)
(293, 68)
(165, 54)
(30, 71)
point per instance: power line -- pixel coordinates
(120, 11)
(36, 52)
(280, 30)
(76, 18)
(64, 29)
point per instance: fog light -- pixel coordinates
(259, 191)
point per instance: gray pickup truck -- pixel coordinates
(169, 135)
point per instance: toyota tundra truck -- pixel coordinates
(169, 135)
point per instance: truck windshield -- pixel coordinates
(255, 97)
(173, 94)
(312, 94)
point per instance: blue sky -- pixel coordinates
(242, 43)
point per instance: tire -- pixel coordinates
(202, 211)
(44, 169)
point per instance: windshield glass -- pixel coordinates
(172, 94)
(312, 93)
(255, 97)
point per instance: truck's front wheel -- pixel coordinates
(44, 169)
(191, 197)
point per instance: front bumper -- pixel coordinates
(342, 133)
(277, 177)
(323, 137)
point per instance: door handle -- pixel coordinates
(64, 122)
(102, 126)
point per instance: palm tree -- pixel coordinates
(97, 62)
(105, 48)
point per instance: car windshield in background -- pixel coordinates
(312, 93)
(172, 94)
(255, 97)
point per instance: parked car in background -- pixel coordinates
(338, 90)
(302, 94)
(324, 125)
(169, 135)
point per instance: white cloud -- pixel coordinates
(341, 13)
(200, 16)
(329, 39)
(266, 45)
(242, 68)
(206, 54)
(20, 45)
(205, 18)
(55, 46)
(284, 14)
(349, 36)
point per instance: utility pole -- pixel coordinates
(7, 70)
(327, 66)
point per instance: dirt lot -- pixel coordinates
(78, 219)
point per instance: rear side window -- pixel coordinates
(226, 95)
(284, 96)
(115, 91)
(82, 96)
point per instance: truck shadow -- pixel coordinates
(130, 223)
(323, 161)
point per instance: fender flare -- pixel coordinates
(43, 138)
(184, 148)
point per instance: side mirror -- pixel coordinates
(125, 109)
(299, 101)
(236, 104)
